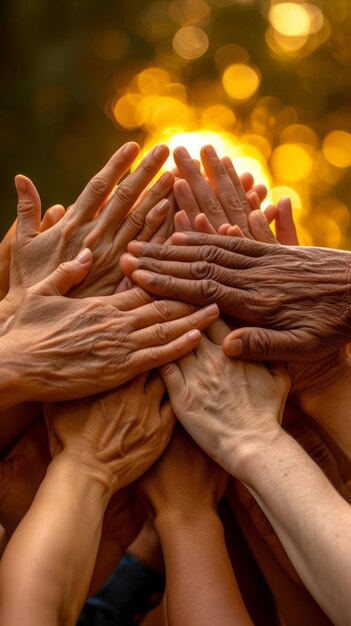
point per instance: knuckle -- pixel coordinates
(211, 254)
(135, 221)
(210, 290)
(98, 186)
(162, 333)
(201, 270)
(155, 354)
(213, 206)
(148, 166)
(24, 206)
(163, 308)
(258, 345)
(125, 194)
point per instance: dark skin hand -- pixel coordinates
(298, 300)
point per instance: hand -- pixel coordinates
(225, 405)
(299, 296)
(93, 221)
(51, 217)
(60, 348)
(214, 202)
(118, 434)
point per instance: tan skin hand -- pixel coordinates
(119, 434)
(215, 403)
(96, 220)
(88, 345)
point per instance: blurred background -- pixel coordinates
(267, 82)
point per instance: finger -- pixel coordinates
(217, 332)
(181, 221)
(229, 192)
(259, 227)
(52, 216)
(156, 356)
(164, 332)
(173, 378)
(129, 300)
(234, 231)
(284, 224)
(253, 201)
(228, 164)
(65, 276)
(244, 246)
(153, 220)
(246, 179)
(135, 221)
(261, 344)
(270, 213)
(130, 189)
(205, 198)
(28, 208)
(261, 191)
(186, 201)
(100, 186)
(202, 225)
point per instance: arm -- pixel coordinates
(183, 490)
(242, 421)
(99, 447)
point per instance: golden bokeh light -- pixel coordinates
(218, 117)
(292, 19)
(337, 148)
(240, 81)
(189, 12)
(190, 42)
(292, 162)
(125, 108)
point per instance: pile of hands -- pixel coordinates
(110, 328)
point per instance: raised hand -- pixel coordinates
(96, 220)
(300, 297)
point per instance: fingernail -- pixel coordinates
(130, 149)
(166, 178)
(184, 189)
(181, 152)
(136, 248)
(209, 151)
(212, 309)
(162, 207)
(84, 256)
(21, 183)
(159, 151)
(145, 277)
(194, 335)
(234, 347)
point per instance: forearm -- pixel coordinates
(201, 586)
(311, 519)
(47, 565)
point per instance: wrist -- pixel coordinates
(251, 458)
(13, 379)
(169, 521)
(87, 475)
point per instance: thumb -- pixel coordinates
(28, 208)
(68, 274)
(52, 216)
(261, 344)
(172, 377)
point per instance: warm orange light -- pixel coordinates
(240, 81)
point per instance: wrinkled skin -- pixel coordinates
(119, 434)
(83, 346)
(212, 397)
(97, 220)
(299, 296)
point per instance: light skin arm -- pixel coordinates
(241, 431)
(183, 489)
